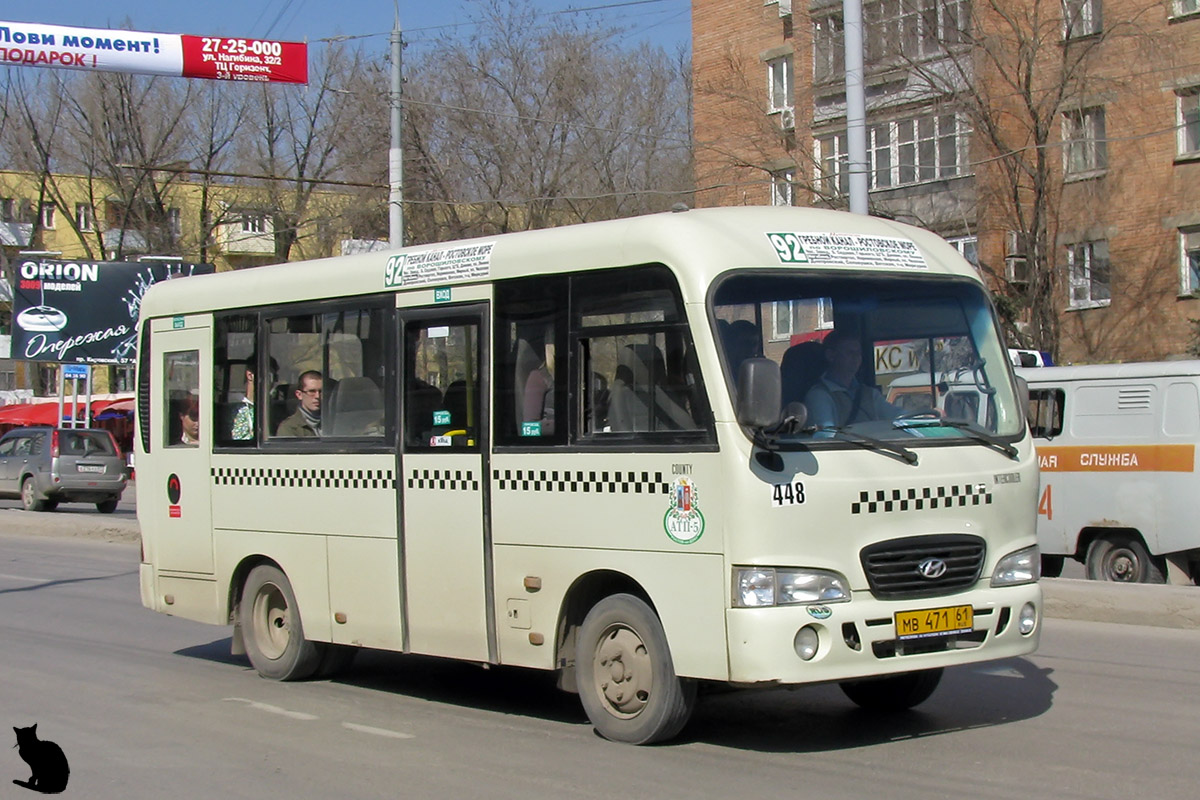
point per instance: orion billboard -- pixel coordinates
(84, 311)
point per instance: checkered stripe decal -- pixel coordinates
(452, 479)
(885, 501)
(305, 478)
(603, 482)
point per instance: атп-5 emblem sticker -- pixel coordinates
(683, 522)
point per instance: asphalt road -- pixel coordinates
(145, 705)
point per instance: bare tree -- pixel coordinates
(525, 126)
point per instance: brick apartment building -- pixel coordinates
(1057, 145)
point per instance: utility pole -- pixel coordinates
(856, 106)
(396, 152)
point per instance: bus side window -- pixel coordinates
(181, 396)
(531, 361)
(235, 356)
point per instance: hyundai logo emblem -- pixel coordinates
(932, 568)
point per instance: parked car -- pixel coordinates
(48, 466)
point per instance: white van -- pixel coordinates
(1116, 445)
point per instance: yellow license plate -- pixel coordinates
(934, 622)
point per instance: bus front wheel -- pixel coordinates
(626, 679)
(273, 634)
(894, 692)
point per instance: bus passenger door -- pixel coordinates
(446, 539)
(180, 443)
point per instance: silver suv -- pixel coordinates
(48, 466)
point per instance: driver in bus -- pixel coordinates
(838, 398)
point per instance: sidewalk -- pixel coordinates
(1128, 603)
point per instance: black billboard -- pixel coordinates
(84, 311)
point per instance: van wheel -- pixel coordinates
(894, 692)
(626, 680)
(29, 497)
(273, 634)
(107, 507)
(1122, 558)
(1052, 566)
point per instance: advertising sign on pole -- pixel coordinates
(30, 44)
(84, 312)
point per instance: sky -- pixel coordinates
(663, 22)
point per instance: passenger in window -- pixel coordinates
(243, 421)
(539, 393)
(839, 398)
(306, 421)
(189, 422)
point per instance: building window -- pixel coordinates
(173, 222)
(1083, 133)
(968, 248)
(779, 83)
(833, 176)
(1187, 120)
(913, 28)
(783, 187)
(1189, 240)
(8, 209)
(1088, 266)
(829, 48)
(900, 152)
(1183, 8)
(85, 219)
(792, 317)
(48, 216)
(1080, 18)
(1016, 257)
(254, 223)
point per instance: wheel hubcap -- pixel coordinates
(1122, 566)
(272, 629)
(624, 673)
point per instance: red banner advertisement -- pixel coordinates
(28, 44)
(223, 58)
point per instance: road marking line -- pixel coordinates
(271, 709)
(377, 731)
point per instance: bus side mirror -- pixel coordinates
(1023, 399)
(759, 392)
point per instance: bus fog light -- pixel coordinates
(807, 642)
(1028, 619)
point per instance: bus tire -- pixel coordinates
(1052, 566)
(625, 676)
(1122, 558)
(271, 627)
(894, 692)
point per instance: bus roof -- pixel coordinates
(1097, 372)
(710, 241)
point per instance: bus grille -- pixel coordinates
(894, 571)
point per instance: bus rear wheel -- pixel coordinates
(273, 635)
(1121, 557)
(894, 692)
(626, 679)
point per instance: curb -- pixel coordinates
(1161, 606)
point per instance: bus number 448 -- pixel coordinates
(788, 494)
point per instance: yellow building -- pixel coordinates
(162, 215)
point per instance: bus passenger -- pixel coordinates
(306, 421)
(243, 421)
(189, 421)
(839, 398)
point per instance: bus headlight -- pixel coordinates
(1023, 566)
(764, 586)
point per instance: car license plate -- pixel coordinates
(934, 622)
(90, 467)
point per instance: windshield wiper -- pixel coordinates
(983, 437)
(871, 443)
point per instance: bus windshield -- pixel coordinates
(868, 355)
